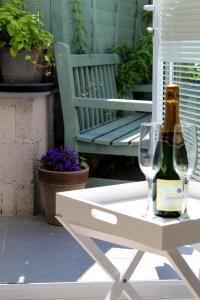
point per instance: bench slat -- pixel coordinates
(117, 104)
(119, 133)
(131, 137)
(126, 140)
(93, 134)
(85, 60)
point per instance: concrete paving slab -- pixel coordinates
(32, 251)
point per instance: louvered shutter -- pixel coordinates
(177, 58)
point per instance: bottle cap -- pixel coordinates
(172, 91)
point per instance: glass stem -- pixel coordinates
(185, 195)
(150, 198)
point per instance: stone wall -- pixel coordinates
(26, 132)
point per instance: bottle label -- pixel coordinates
(169, 195)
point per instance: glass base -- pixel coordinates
(184, 216)
(149, 215)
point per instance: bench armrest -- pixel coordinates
(115, 104)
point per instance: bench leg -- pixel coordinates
(184, 271)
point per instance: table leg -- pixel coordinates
(197, 248)
(121, 281)
(123, 284)
(184, 272)
(117, 289)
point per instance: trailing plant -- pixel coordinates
(81, 34)
(23, 30)
(136, 65)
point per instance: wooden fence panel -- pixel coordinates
(62, 21)
(127, 20)
(45, 8)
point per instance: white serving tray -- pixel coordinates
(113, 213)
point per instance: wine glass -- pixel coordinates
(150, 156)
(184, 158)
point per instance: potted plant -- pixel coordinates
(136, 65)
(60, 169)
(26, 49)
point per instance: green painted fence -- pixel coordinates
(108, 22)
(45, 7)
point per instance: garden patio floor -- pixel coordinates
(32, 251)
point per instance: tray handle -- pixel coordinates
(104, 216)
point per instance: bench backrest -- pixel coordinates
(91, 76)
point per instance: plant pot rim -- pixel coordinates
(63, 172)
(63, 178)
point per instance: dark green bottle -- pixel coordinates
(167, 194)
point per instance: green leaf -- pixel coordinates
(13, 52)
(27, 57)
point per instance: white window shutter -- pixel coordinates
(177, 58)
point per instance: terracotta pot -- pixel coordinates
(52, 182)
(17, 70)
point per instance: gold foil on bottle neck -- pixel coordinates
(172, 92)
(171, 108)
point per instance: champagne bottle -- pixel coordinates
(167, 194)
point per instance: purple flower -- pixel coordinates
(62, 159)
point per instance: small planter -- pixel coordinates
(52, 182)
(17, 70)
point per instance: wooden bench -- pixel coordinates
(95, 121)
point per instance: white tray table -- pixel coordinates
(113, 214)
